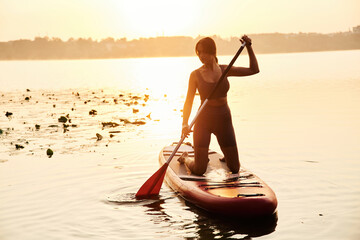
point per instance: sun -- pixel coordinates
(156, 18)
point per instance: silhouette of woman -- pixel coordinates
(216, 116)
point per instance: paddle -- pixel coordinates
(152, 186)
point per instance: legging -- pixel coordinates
(216, 120)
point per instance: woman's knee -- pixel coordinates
(201, 161)
(199, 169)
(195, 168)
(200, 165)
(234, 167)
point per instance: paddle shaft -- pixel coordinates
(223, 75)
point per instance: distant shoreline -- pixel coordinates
(109, 58)
(45, 48)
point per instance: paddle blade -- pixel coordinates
(152, 186)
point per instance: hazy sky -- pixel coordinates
(100, 19)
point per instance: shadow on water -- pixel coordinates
(153, 205)
(211, 226)
(129, 198)
(205, 225)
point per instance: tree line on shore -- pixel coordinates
(56, 48)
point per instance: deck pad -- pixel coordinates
(216, 170)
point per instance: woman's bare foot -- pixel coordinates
(183, 157)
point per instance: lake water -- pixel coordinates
(297, 125)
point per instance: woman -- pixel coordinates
(215, 117)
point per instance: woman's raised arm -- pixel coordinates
(253, 65)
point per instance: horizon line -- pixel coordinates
(169, 36)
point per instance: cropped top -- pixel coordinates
(205, 88)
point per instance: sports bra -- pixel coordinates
(205, 88)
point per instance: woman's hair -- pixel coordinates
(208, 45)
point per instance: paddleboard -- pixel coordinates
(218, 191)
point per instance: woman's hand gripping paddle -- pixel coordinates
(152, 186)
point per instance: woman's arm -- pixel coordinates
(188, 103)
(252, 69)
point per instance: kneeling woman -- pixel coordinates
(215, 117)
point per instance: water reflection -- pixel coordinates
(205, 225)
(157, 212)
(210, 226)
